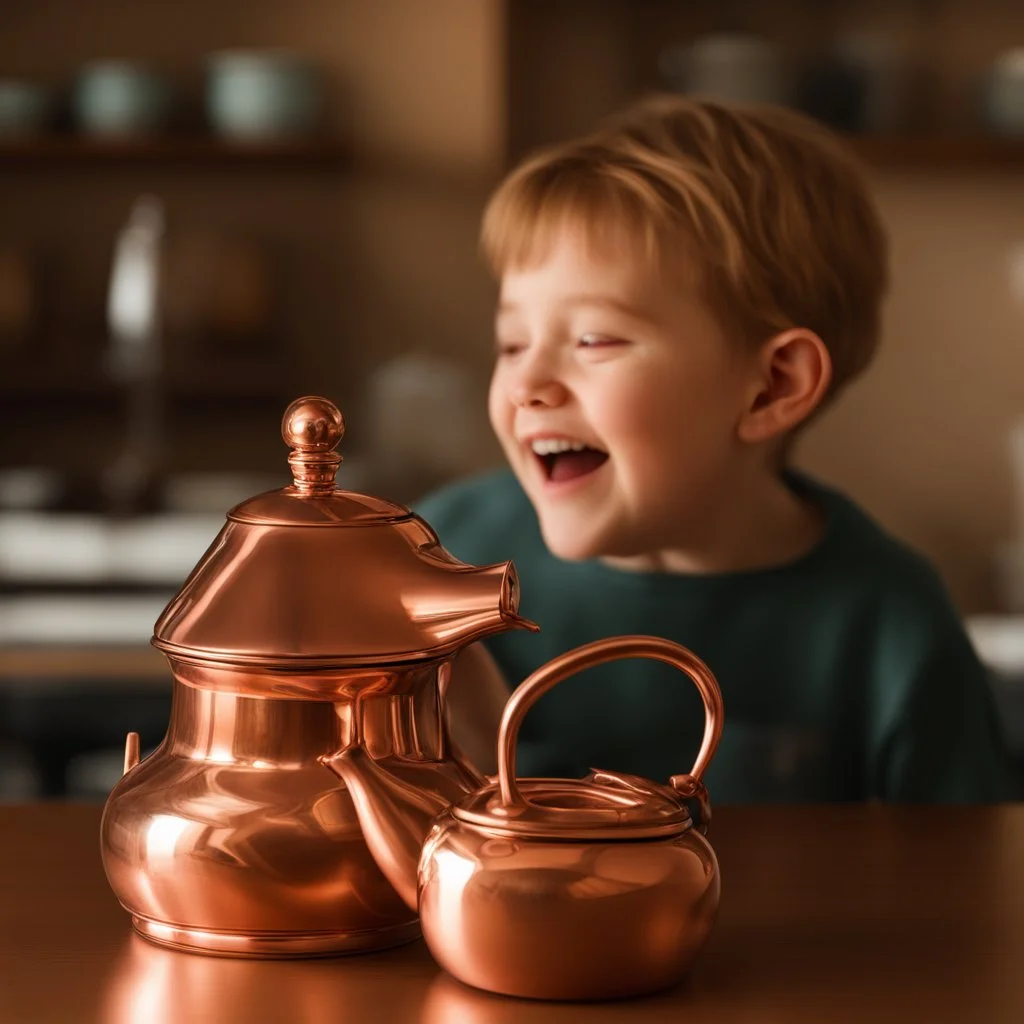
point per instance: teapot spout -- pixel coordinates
(131, 752)
(473, 603)
(395, 817)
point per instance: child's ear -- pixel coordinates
(794, 372)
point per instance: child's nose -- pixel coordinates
(535, 391)
(536, 380)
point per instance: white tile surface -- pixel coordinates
(80, 620)
(37, 547)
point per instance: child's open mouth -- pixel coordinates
(563, 460)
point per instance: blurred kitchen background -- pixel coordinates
(210, 208)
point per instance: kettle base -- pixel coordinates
(273, 945)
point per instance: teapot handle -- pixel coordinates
(536, 685)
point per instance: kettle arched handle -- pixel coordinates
(688, 785)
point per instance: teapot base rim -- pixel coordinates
(273, 945)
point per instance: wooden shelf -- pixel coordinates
(924, 151)
(217, 379)
(199, 151)
(117, 666)
(939, 152)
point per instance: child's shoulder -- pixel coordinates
(483, 517)
(900, 581)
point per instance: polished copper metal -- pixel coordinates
(319, 620)
(312, 577)
(147, 984)
(553, 889)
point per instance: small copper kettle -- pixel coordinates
(318, 619)
(595, 888)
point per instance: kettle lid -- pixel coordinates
(312, 576)
(604, 805)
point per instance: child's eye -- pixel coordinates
(507, 348)
(599, 340)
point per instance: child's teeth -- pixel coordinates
(553, 446)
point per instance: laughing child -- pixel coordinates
(681, 292)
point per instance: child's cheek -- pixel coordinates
(499, 408)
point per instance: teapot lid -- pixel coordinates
(311, 576)
(603, 805)
(313, 427)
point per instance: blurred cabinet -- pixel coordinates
(571, 62)
(240, 292)
(371, 227)
(367, 228)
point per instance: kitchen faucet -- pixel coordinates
(134, 357)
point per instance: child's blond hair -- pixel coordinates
(771, 211)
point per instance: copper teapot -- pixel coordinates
(316, 617)
(595, 888)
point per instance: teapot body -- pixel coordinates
(233, 838)
(550, 918)
(317, 624)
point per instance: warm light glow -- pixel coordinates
(454, 868)
(163, 834)
(454, 873)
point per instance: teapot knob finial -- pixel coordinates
(312, 427)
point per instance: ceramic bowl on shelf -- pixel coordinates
(120, 98)
(731, 68)
(262, 94)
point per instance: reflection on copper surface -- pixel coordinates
(448, 1001)
(153, 985)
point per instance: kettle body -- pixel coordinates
(599, 919)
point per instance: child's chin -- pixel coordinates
(568, 545)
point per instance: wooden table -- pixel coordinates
(828, 915)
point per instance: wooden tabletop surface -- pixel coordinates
(830, 914)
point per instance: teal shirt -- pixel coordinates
(846, 674)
